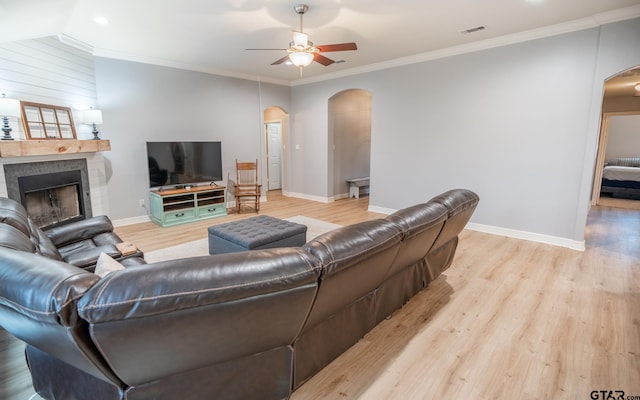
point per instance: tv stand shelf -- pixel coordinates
(178, 206)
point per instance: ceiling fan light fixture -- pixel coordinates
(301, 58)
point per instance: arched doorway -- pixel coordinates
(349, 139)
(276, 130)
(619, 131)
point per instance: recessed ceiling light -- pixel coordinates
(101, 21)
(534, 1)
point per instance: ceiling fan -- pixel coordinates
(302, 52)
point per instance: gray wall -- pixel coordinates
(349, 139)
(143, 102)
(517, 124)
(624, 137)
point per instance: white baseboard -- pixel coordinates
(381, 210)
(340, 196)
(130, 221)
(308, 197)
(532, 237)
(472, 226)
(495, 230)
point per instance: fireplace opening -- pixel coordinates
(53, 199)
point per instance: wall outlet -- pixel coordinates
(141, 202)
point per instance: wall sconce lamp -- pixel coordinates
(93, 117)
(8, 108)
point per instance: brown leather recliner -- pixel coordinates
(78, 243)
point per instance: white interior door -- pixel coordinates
(274, 155)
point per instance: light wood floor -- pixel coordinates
(509, 319)
(619, 203)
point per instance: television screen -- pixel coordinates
(180, 163)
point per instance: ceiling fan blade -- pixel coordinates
(337, 47)
(280, 61)
(319, 58)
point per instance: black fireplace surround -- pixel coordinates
(25, 178)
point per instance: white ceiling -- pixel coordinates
(212, 35)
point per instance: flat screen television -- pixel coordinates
(184, 163)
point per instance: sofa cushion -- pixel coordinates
(42, 242)
(14, 214)
(355, 260)
(460, 204)
(105, 265)
(13, 238)
(420, 226)
(88, 256)
(80, 230)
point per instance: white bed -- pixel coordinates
(621, 178)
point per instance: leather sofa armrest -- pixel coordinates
(199, 282)
(199, 311)
(80, 230)
(41, 289)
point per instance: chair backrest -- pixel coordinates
(246, 173)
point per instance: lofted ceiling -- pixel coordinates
(212, 35)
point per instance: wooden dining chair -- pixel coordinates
(247, 188)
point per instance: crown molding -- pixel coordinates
(594, 21)
(96, 52)
(75, 43)
(188, 67)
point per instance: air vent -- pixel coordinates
(473, 30)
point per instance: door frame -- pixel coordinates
(602, 151)
(280, 115)
(267, 163)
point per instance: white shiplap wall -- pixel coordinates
(48, 71)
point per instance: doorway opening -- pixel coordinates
(619, 143)
(276, 124)
(349, 141)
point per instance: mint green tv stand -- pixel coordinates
(178, 206)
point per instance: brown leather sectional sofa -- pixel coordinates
(247, 325)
